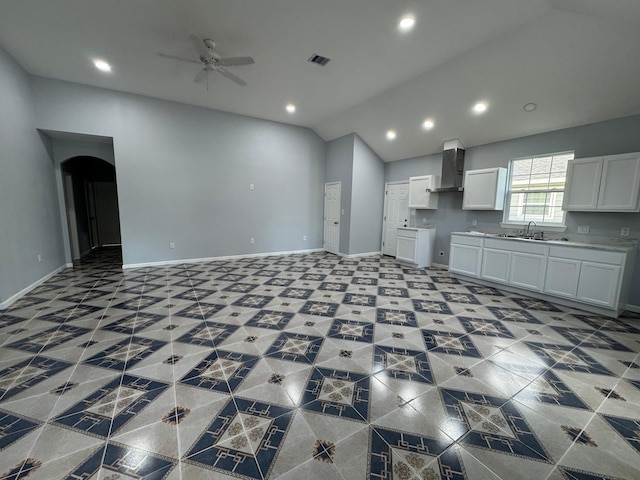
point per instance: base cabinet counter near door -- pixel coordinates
(415, 246)
(592, 277)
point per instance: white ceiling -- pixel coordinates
(577, 59)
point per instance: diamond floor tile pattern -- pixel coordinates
(310, 366)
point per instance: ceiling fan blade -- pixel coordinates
(202, 50)
(231, 76)
(235, 61)
(173, 57)
(201, 76)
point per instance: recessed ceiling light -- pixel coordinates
(406, 23)
(291, 108)
(480, 107)
(529, 107)
(391, 135)
(428, 124)
(102, 65)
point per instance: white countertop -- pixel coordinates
(417, 228)
(563, 243)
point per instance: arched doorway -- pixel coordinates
(91, 202)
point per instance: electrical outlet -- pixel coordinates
(251, 186)
(253, 240)
(583, 229)
(40, 256)
(474, 223)
(304, 238)
(441, 253)
(624, 232)
(172, 245)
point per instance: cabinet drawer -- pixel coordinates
(403, 232)
(611, 258)
(464, 240)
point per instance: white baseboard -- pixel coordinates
(357, 255)
(13, 298)
(214, 259)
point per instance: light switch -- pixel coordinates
(251, 187)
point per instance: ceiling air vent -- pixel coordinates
(319, 59)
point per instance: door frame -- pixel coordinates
(94, 234)
(72, 222)
(384, 209)
(324, 216)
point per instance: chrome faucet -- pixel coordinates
(526, 233)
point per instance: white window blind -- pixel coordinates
(536, 189)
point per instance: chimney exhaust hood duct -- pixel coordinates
(452, 167)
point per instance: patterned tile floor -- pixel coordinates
(310, 367)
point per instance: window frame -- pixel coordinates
(512, 223)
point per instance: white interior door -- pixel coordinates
(332, 217)
(396, 214)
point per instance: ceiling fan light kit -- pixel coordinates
(211, 61)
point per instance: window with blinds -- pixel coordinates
(536, 189)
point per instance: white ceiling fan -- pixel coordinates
(211, 61)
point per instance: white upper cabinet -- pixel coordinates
(619, 184)
(419, 194)
(603, 184)
(484, 189)
(583, 184)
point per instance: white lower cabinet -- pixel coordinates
(465, 259)
(527, 270)
(589, 282)
(562, 277)
(521, 264)
(406, 251)
(586, 277)
(415, 245)
(599, 284)
(495, 265)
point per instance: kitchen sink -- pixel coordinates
(522, 237)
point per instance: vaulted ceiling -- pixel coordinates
(577, 60)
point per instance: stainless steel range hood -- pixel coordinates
(452, 167)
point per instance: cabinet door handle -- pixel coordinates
(335, 223)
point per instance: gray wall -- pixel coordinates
(29, 219)
(361, 172)
(339, 168)
(603, 138)
(183, 173)
(367, 204)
